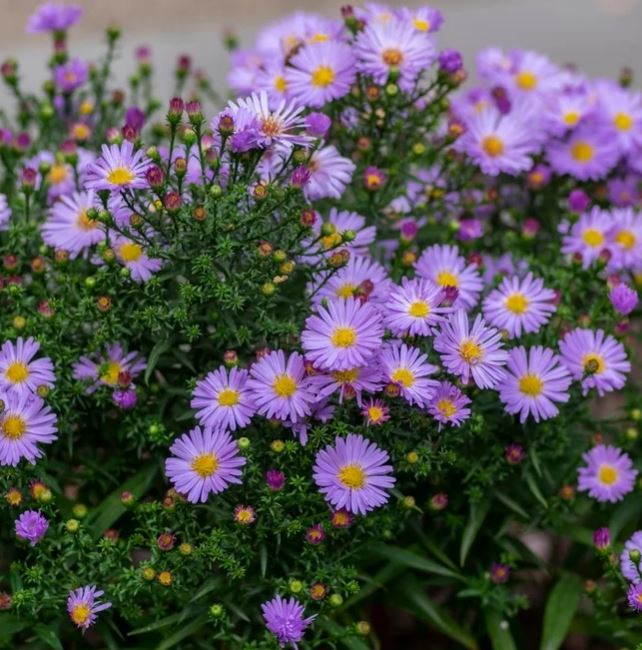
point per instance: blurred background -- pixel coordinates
(600, 36)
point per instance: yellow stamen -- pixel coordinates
(120, 176)
(228, 397)
(58, 174)
(284, 386)
(323, 76)
(470, 352)
(626, 239)
(622, 121)
(571, 118)
(352, 476)
(531, 385)
(84, 222)
(593, 237)
(608, 474)
(419, 309)
(130, 252)
(280, 84)
(375, 413)
(346, 376)
(17, 372)
(517, 303)
(80, 614)
(404, 377)
(493, 146)
(392, 56)
(344, 337)
(447, 279)
(13, 427)
(526, 80)
(593, 363)
(346, 290)
(582, 151)
(110, 376)
(446, 407)
(205, 464)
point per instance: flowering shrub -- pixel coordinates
(341, 344)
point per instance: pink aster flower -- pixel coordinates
(353, 474)
(54, 17)
(280, 387)
(609, 474)
(342, 335)
(445, 267)
(118, 168)
(535, 380)
(83, 605)
(448, 405)
(414, 307)
(204, 462)
(108, 369)
(632, 571)
(320, 73)
(285, 619)
(408, 368)
(223, 400)
(519, 305)
(595, 359)
(588, 236)
(134, 257)
(471, 351)
(330, 172)
(20, 372)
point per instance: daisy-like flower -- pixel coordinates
(448, 405)
(346, 334)
(19, 371)
(589, 236)
(5, 212)
(280, 387)
(330, 172)
(24, 422)
(223, 401)
(83, 605)
(445, 267)
(587, 154)
(118, 168)
(609, 474)
(31, 526)
(54, 17)
(272, 80)
(634, 597)
(534, 381)
(519, 305)
(71, 75)
(413, 308)
(133, 256)
(564, 111)
(284, 125)
(595, 359)
(354, 474)
(349, 383)
(471, 352)
(320, 73)
(204, 462)
(408, 368)
(625, 237)
(533, 74)
(375, 412)
(107, 369)
(621, 109)
(244, 515)
(424, 19)
(69, 228)
(394, 45)
(632, 571)
(285, 619)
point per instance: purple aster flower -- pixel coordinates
(125, 398)
(414, 307)
(135, 118)
(284, 619)
(315, 534)
(374, 178)
(519, 305)
(353, 474)
(20, 372)
(350, 383)
(134, 257)
(499, 573)
(623, 192)
(601, 539)
(69, 228)
(118, 168)
(71, 75)
(107, 369)
(448, 405)
(534, 381)
(271, 79)
(275, 479)
(623, 298)
(345, 334)
(321, 410)
(450, 61)
(533, 75)
(424, 19)
(588, 236)
(53, 17)
(408, 368)
(31, 526)
(471, 352)
(204, 462)
(470, 229)
(621, 109)
(578, 201)
(320, 73)
(609, 474)
(595, 359)
(244, 515)
(5, 212)
(318, 124)
(24, 422)
(330, 172)
(83, 605)
(631, 570)
(375, 412)
(625, 237)
(280, 388)
(514, 454)
(445, 267)
(634, 597)
(223, 400)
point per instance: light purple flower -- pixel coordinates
(54, 17)
(83, 605)
(20, 372)
(634, 597)
(414, 307)
(107, 369)
(632, 571)
(625, 237)
(589, 236)
(448, 405)
(318, 124)
(118, 168)
(5, 212)
(134, 257)
(71, 75)
(609, 474)
(623, 298)
(350, 382)
(330, 172)
(284, 618)
(31, 526)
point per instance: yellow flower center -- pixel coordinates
(318, 38)
(593, 363)
(470, 352)
(392, 56)
(323, 76)
(330, 241)
(446, 407)
(130, 252)
(419, 309)
(582, 151)
(531, 385)
(517, 303)
(17, 372)
(14, 427)
(622, 121)
(86, 107)
(80, 131)
(110, 376)
(404, 377)
(447, 279)
(228, 397)
(120, 176)
(284, 386)
(593, 237)
(84, 222)
(80, 614)
(571, 118)
(352, 476)
(244, 516)
(493, 146)
(280, 84)
(346, 376)
(626, 239)
(346, 290)
(344, 337)
(57, 174)
(271, 126)
(375, 413)
(421, 24)
(205, 465)
(607, 474)
(526, 80)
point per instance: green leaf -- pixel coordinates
(412, 560)
(512, 505)
(183, 632)
(534, 488)
(560, 610)
(160, 347)
(9, 625)
(338, 632)
(478, 512)
(164, 622)
(264, 557)
(48, 636)
(626, 511)
(379, 581)
(500, 637)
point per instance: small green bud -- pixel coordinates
(296, 586)
(72, 525)
(336, 600)
(80, 510)
(216, 191)
(409, 502)
(90, 282)
(216, 610)
(243, 443)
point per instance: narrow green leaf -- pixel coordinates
(498, 631)
(165, 621)
(626, 511)
(183, 632)
(160, 347)
(378, 581)
(48, 636)
(263, 556)
(534, 458)
(478, 512)
(534, 488)
(511, 505)
(351, 642)
(208, 587)
(560, 610)
(412, 560)
(9, 625)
